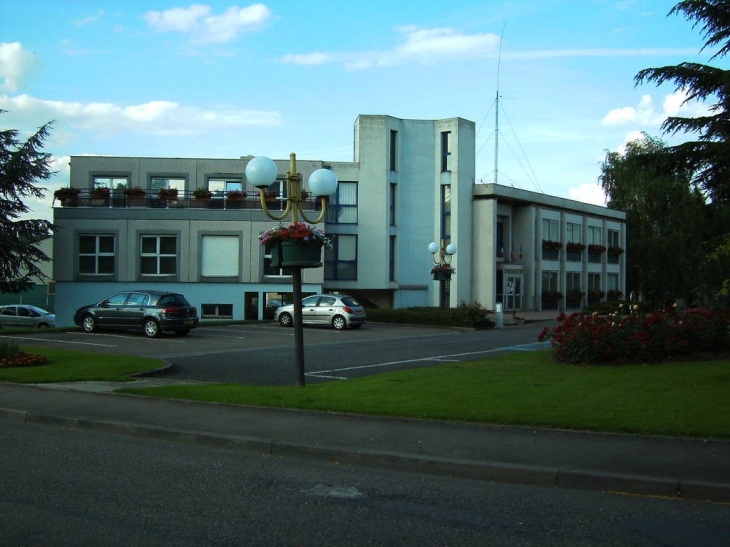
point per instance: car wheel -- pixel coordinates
(43, 326)
(339, 322)
(88, 323)
(182, 332)
(285, 320)
(151, 328)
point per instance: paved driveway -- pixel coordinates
(263, 353)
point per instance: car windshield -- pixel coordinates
(349, 301)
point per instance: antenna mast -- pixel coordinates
(496, 112)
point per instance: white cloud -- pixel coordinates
(204, 27)
(646, 114)
(425, 46)
(588, 193)
(155, 117)
(15, 64)
(90, 20)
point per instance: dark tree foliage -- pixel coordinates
(709, 155)
(22, 164)
(664, 215)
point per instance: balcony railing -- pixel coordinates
(151, 200)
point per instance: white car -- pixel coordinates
(337, 310)
(21, 316)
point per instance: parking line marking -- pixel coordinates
(521, 347)
(59, 341)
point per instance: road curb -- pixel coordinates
(503, 472)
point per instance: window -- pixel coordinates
(549, 281)
(595, 235)
(391, 259)
(613, 240)
(342, 208)
(158, 183)
(551, 229)
(500, 238)
(159, 255)
(113, 183)
(219, 186)
(446, 151)
(268, 269)
(446, 212)
(612, 282)
(220, 256)
(393, 149)
(393, 196)
(96, 255)
(341, 260)
(573, 234)
(216, 311)
(572, 281)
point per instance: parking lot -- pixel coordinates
(262, 353)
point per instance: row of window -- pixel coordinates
(574, 233)
(220, 256)
(573, 282)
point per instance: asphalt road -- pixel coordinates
(74, 488)
(263, 353)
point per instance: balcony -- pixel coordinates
(184, 200)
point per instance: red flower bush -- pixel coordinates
(620, 339)
(10, 356)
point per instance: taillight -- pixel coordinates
(346, 309)
(171, 311)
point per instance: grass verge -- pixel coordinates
(529, 389)
(683, 398)
(74, 366)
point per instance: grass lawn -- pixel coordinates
(74, 366)
(528, 388)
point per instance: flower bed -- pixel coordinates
(10, 356)
(620, 339)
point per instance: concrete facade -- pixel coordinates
(411, 182)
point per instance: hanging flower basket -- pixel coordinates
(442, 272)
(615, 250)
(135, 192)
(298, 245)
(441, 275)
(291, 254)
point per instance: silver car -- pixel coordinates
(337, 310)
(22, 316)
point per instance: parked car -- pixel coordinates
(151, 311)
(26, 316)
(272, 305)
(337, 310)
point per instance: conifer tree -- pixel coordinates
(22, 166)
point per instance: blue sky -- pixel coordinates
(220, 79)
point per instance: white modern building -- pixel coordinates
(411, 182)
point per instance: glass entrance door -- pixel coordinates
(513, 291)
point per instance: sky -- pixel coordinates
(219, 79)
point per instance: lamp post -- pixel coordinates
(261, 172)
(442, 270)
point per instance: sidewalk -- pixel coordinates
(688, 469)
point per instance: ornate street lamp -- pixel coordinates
(442, 269)
(261, 172)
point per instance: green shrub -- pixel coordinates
(465, 315)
